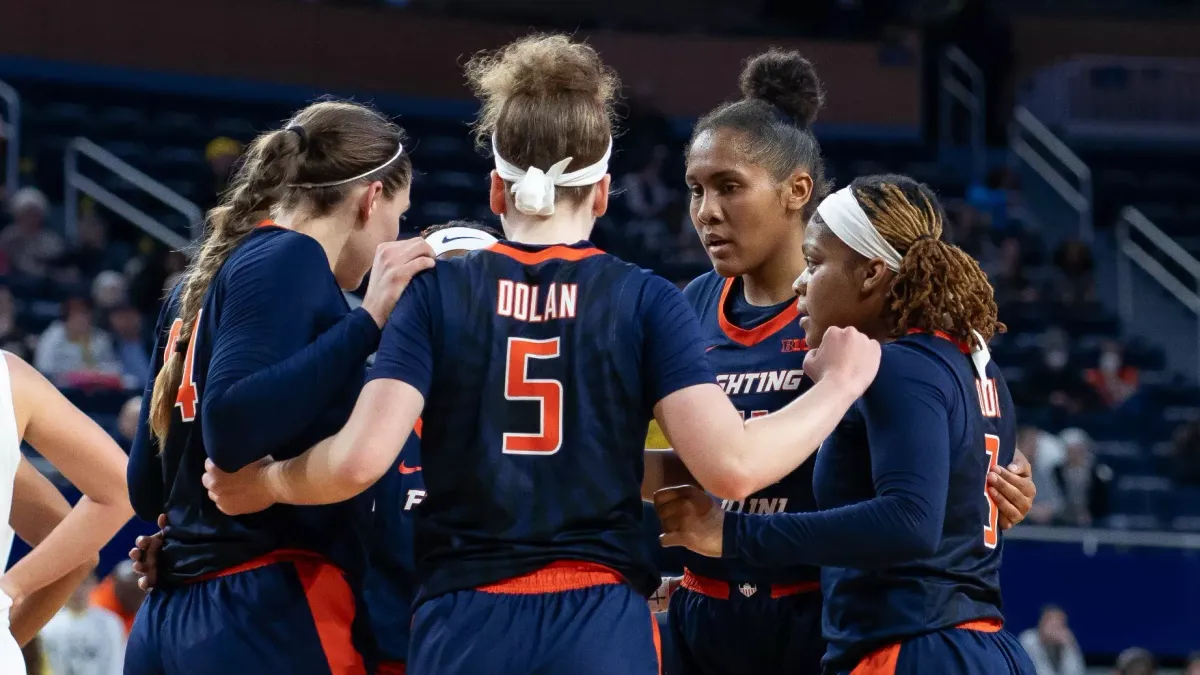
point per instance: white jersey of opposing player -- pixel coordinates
(11, 660)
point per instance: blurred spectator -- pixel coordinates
(222, 154)
(109, 290)
(1135, 661)
(119, 593)
(1054, 382)
(1113, 380)
(1185, 455)
(83, 639)
(130, 342)
(30, 247)
(73, 350)
(1045, 453)
(13, 337)
(91, 254)
(127, 422)
(1009, 277)
(1193, 664)
(1052, 646)
(992, 197)
(1084, 483)
(1074, 281)
(647, 195)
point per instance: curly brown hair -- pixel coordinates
(939, 287)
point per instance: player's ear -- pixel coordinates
(369, 201)
(874, 275)
(496, 197)
(600, 202)
(797, 190)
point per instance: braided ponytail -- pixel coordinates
(939, 287)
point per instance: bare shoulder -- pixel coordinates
(28, 388)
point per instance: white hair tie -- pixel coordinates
(533, 189)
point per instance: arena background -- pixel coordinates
(1061, 134)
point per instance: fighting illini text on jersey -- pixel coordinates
(761, 370)
(959, 585)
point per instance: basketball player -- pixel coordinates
(908, 534)
(257, 353)
(538, 363)
(34, 412)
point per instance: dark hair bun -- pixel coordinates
(786, 80)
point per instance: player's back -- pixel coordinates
(536, 415)
(959, 582)
(201, 540)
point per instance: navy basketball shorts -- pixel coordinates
(286, 612)
(569, 617)
(723, 628)
(975, 648)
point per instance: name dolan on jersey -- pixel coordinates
(760, 383)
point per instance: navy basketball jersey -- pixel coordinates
(390, 587)
(540, 367)
(757, 354)
(958, 582)
(201, 540)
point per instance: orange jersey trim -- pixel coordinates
(962, 346)
(657, 642)
(748, 337)
(557, 252)
(883, 661)
(391, 668)
(556, 578)
(715, 588)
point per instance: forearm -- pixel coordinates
(40, 606)
(880, 532)
(319, 476)
(799, 428)
(245, 425)
(74, 543)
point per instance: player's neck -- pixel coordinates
(565, 226)
(771, 283)
(329, 233)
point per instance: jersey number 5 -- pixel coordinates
(991, 534)
(518, 386)
(188, 398)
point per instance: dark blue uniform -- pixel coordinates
(731, 616)
(390, 586)
(273, 366)
(907, 535)
(540, 367)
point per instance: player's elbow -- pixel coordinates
(355, 475)
(735, 482)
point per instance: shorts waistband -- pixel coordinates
(556, 578)
(723, 590)
(280, 556)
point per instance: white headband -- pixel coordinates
(459, 239)
(335, 183)
(842, 213)
(534, 188)
(848, 222)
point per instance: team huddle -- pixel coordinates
(470, 502)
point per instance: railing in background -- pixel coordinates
(76, 183)
(1145, 99)
(961, 81)
(1061, 170)
(12, 121)
(1167, 288)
